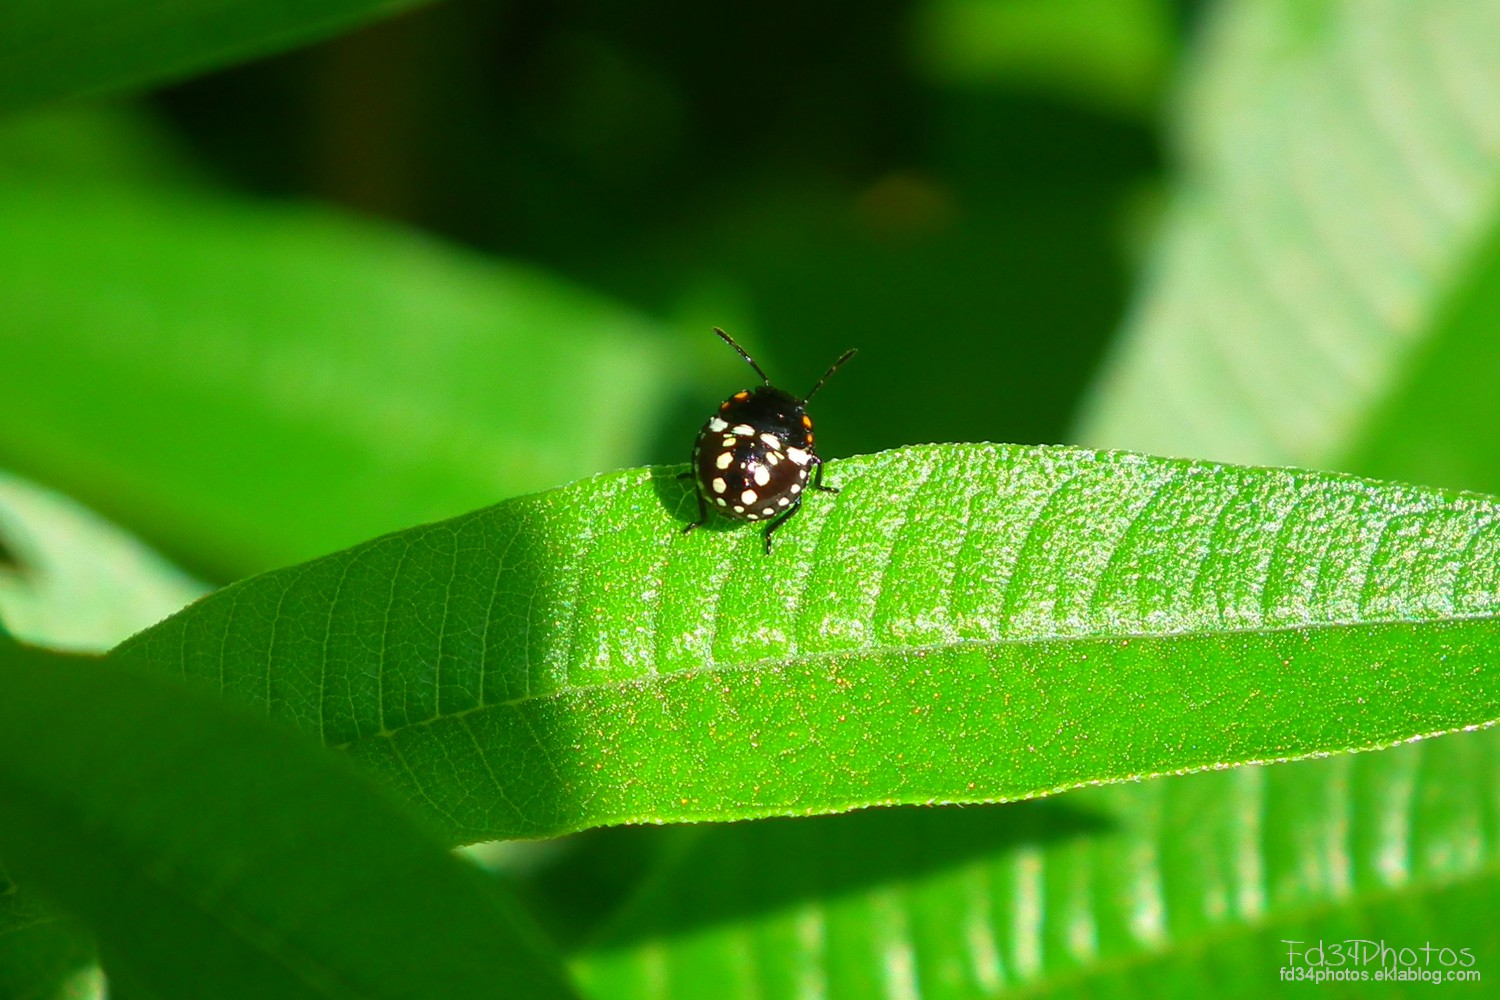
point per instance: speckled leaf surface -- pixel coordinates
(963, 623)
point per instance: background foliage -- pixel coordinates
(397, 268)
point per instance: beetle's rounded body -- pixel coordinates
(755, 458)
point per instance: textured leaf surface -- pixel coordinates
(69, 580)
(962, 623)
(1343, 166)
(60, 48)
(254, 386)
(1180, 886)
(219, 856)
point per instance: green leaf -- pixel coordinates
(1172, 887)
(250, 386)
(962, 623)
(1441, 424)
(1342, 171)
(69, 580)
(216, 855)
(96, 145)
(1113, 54)
(63, 48)
(46, 959)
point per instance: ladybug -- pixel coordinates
(754, 457)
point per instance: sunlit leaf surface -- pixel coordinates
(1342, 168)
(961, 623)
(1175, 886)
(69, 580)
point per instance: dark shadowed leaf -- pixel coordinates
(214, 854)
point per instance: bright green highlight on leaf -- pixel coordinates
(70, 580)
(219, 856)
(961, 623)
(1114, 54)
(1342, 167)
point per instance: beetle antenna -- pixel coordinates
(851, 352)
(730, 341)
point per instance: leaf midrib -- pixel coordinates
(771, 664)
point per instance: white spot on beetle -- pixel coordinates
(716, 425)
(719, 485)
(774, 457)
(769, 511)
(762, 475)
(724, 459)
(781, 502)
(747, 497)
(798, 455)
(738, 509)
(796, 487)
(721, 501)
(771, 440)
(729, 441)
(744, 429)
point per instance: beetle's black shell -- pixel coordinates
(753, 458)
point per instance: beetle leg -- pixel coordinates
(702, 511)
(818, 480)
(780, 520)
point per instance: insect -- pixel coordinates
(754, 457)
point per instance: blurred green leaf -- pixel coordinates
(1342, 172)
(247, 386)
(1113, 54)
(217, 856)
(70, 580)
(63, 48)
(100, 145)
(963, 623)
(1440, 423)
(47, 959)
(1189, 885)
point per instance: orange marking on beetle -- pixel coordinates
(807, 421)
(742, 395)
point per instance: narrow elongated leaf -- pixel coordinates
(1342, 170)
(1331, 166)
(253, 864)
(1169, 888)
(57, 49)
(962, 623)
(252, 386)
